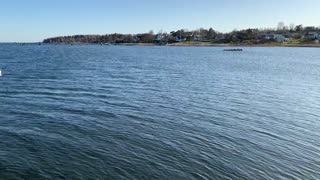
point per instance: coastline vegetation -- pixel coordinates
(292, 35)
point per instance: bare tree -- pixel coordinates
(291, 27)
(280, 26)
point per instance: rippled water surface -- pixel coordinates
(115, 112)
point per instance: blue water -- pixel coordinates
(116, 112)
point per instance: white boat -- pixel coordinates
(0, 72)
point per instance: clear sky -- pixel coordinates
(34, 20)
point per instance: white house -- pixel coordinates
(180, 40)
(268, 36)
(280, 38)
(160, 37)
(313, 35)
(197, 37)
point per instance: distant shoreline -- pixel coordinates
(200, 44)
(244, 45)
(295, 36)
(184, 44)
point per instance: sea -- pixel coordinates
(160, 112)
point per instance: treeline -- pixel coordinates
(281, 34)
(108, 38)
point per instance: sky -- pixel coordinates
(35, 20)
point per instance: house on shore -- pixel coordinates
(268, 37)
(276, 37)
(160, 37)
(280, 38)
(312, 36)
(179, 39)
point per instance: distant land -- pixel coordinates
(292, 35)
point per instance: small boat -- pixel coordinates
(0, 72)
(233, 50)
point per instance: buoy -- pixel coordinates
(0, 72)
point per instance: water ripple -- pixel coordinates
(97, 112)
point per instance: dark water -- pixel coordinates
(112, 112)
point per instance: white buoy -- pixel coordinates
(0, 72)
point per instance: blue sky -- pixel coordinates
(34, 20)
